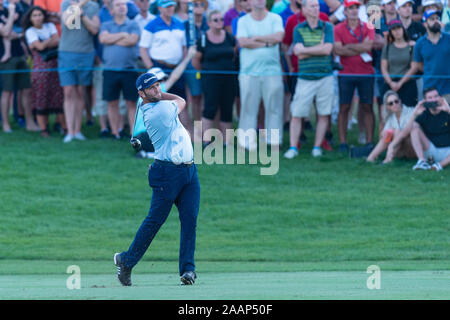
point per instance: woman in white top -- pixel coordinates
(397, 116)
(47, 95)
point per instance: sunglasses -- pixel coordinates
(218, 19)
(199, 4)
(242, 0)
(396, 101)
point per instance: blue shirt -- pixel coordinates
(285, 14)
(170, 139)
(120, 57)
(235, 21)
(435, 62)
(139, 126)
(104, 14)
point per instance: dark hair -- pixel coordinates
(390, 37)
(26, 19)
(427, 90)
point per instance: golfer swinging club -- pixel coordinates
(172, 176)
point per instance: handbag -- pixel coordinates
(49, 54)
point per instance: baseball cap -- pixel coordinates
(425, 3)
(165, 3)
(383, 2)
(349, 3)
(146, 80)
(429, 13)
(395, 23)
(401, 3)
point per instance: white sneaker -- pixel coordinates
(79, 136)
(421, 165)
(436, 166)
(351, 122)
(316, 152)
(68, 138)
(291, 153)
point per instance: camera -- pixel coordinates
(337, 66)
(430, 104)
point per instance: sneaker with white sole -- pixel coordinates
(188, 278)
(421, 165)
(68, 138)
(436, 167)
(79, 136)
(291, 153)
(316, 152)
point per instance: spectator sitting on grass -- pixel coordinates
(397, 116)
(430, 135)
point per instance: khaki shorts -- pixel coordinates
(305, 92)
(15, 81)
(437, 154)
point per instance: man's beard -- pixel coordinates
(152, 98)
(435, 28)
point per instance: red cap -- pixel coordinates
(349, 3)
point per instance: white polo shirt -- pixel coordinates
(164, 42)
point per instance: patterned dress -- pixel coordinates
(47, 94)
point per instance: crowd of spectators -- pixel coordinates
(272, 66)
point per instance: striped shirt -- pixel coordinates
(322, 65)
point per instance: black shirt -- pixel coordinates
(416, 30)
(436, 127)
(218, 56)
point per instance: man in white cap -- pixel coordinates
(389, 10)
(431, 5)
(414, 29)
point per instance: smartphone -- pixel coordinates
(430, 104)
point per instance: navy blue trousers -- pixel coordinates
(171, 184)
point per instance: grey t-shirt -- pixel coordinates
(120, 57)
(399, 59)
(78, 39)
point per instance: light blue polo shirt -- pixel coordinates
(435, 59)
(139, 126)
(170, 139)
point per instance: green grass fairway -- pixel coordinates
(220, 285)
(309, 231)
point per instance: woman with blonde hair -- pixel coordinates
(397, 116)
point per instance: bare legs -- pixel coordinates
(73, 108)
(23, 97)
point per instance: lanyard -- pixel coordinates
(353, 33)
